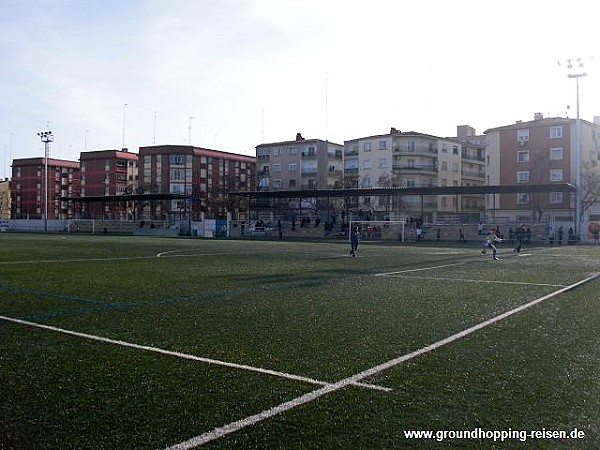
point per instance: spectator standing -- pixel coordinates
(354, 238)
(520, 236)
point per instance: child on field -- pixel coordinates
(490, 240)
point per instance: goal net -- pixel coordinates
(379, 230)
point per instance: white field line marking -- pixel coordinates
(148, 348)
(47, 261)
(419, 270)
(311, 396)
(461, 280)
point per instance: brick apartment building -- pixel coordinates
(206, 175)
(28, 188)
(108, 172)
(541, 151)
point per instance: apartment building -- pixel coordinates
(108, 172)
(299, 164)
(28, 188)
(403, 159)
(541, 151)
(206, 175)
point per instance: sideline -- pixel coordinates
(311, 396)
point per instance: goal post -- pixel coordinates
(379, 230)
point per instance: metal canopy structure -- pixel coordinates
(406, 191)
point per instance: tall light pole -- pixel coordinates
(576, 71)
(124, 106)
(154, 132)
(190, 131)
(46, 137)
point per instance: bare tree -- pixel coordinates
(590, 177)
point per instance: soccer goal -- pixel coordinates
(379, 230)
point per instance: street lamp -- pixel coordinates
(46, 137)
(578, 68)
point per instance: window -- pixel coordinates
(383, 163)
(351, 164)
(367, 164)
(292, 167)
(292, 183)
(293, 151)
(367, 146)
(556, 153)
(177, 160)
(444, 165)
(522, 199)
(277, 151)
(523, 156)
(444, 147)
(454, 167)
(310, 151)
(276, 167)
(277, 183)
(455, 150)
(367, 182)
(382, 145)
(523, 176)
(410, 183)
(522, 136)
(556, 174)
(556, 132)
(556, 197)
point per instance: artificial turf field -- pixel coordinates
(151, 343)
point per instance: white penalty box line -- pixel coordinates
(406, 274)
(314, 395)
(217, 362)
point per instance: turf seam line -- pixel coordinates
(311, 396)
(217, 362)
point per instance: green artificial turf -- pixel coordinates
(300, 308)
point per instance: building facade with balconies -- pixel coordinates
(403, 159)
(28, 188)
(108, 172)
(541, 151)
(206, 175)
(299, 164)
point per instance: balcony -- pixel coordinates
(473, 174)
(416, 149)
(416, 168)
(471, 157)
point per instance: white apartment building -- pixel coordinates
(407, 159)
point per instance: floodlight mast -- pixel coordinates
(46, 137)
(576, 71)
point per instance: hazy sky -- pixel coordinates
(263, 70)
